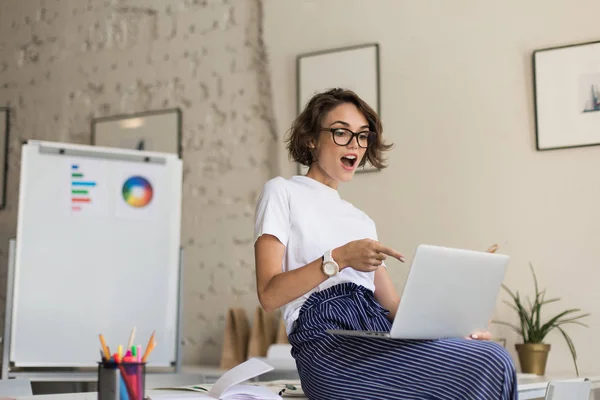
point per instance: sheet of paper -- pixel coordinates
(240, 373)
(249, 392)
(228, 386)
(180, 396)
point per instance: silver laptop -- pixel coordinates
(448, 293)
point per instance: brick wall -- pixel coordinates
(64, 62)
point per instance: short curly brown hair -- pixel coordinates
(307, 126)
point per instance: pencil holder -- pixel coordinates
(121, 381)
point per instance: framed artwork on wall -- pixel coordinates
(355, 68)
(567, 96)
(4, 135)
(151, 131)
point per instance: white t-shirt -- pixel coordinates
(309, 218)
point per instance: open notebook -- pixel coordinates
(227, 387)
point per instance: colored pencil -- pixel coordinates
(131, 337)
(148, 349)
(104, 348)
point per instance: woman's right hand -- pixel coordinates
(363, 255)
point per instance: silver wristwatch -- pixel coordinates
(329, 266)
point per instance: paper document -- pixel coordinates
(242, 372)
(228, 386)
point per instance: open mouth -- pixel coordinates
(349, 161)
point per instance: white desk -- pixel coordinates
(535, 387)
(529, 388)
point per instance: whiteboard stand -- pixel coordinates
(68, 376)
(8, 309)
(178, 351)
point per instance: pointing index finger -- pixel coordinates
(391, 252)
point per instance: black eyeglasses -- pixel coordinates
(343, 136)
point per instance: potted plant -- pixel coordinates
(533, 352)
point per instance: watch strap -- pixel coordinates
(327, 258)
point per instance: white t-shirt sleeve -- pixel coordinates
(273, 211)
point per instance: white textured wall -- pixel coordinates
(457, 100)
(63, 62)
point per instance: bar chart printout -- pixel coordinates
(88, 192)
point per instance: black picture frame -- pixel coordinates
(5, 136)
(553, 69)
(337, 78)
(102, 129)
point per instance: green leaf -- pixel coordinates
(535, 283)
(571, 348)
(535, 312)
(577, 317)
(550, 301)
(511, 306)
(549, 325)
(530, 304)
(520, 315)
(570, 322)
(509, 291)
(526, 323)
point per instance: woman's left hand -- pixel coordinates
(482, 335)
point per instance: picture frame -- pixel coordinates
(4, 145)
(156, 130)
(566, 85)
(338, 67)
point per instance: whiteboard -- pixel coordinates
(96, 252)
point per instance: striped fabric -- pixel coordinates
(346, 367)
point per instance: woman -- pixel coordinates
(318, 259)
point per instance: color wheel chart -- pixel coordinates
(80, 189)
(137, 191)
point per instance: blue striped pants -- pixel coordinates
(349, 367)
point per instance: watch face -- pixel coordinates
(329, 268)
